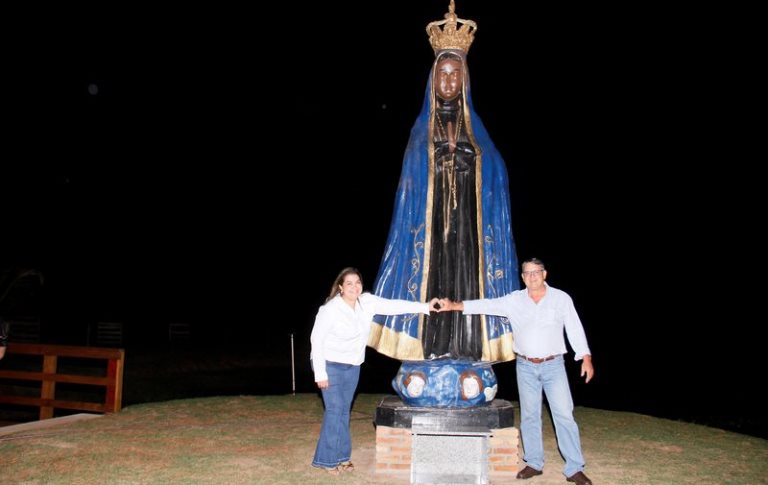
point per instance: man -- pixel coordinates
(539, 314)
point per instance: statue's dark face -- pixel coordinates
(448, 79)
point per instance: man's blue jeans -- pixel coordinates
(551, 378)
(335, 443)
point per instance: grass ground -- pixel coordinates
(270, 439)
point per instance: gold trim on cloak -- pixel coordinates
(398, 345)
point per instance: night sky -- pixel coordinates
(150, 151)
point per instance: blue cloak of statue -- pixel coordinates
(403, 273)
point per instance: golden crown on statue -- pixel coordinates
(451, 36)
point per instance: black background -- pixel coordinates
(232, 160)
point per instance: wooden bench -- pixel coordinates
(49, 376)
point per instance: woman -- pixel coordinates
(339, 337)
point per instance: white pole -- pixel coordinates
(293, 369)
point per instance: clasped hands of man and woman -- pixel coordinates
(438, 305)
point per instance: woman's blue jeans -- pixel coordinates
(335, 443)
(551, 378)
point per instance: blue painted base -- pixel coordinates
(445, 383)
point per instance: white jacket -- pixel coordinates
(341, 333)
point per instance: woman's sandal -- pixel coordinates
(335, 471)
(347, 466)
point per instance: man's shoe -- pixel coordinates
(528, 472)
(579, 479)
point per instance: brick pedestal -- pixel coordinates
(393, 450)
(395, 435)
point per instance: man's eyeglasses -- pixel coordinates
(537, 272)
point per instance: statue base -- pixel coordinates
(445, 383)
(441, 445)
